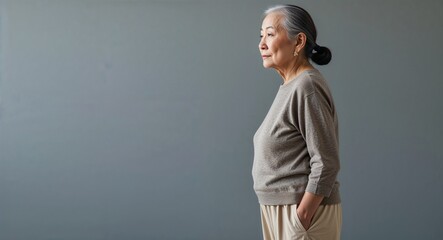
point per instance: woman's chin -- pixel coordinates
(266, 65)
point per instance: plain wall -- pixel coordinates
(134, 119)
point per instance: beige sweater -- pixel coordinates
(296, 148)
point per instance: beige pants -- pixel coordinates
(281, 222)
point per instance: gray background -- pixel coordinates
(134, 119)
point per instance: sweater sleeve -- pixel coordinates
(316, 119)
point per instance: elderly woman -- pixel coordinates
(296, 151)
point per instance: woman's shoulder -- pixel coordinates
(312, 81)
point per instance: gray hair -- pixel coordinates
(296, 20)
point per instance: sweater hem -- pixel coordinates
(285, 198)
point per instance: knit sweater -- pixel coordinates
(296, 148)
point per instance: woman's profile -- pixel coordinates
(296, 148)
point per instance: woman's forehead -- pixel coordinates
(271, 21)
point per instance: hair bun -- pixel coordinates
(321, 55)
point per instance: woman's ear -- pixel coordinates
(300, 41)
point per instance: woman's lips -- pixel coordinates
(265, 56)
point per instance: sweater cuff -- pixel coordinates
(318, 189)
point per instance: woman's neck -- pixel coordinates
(293, 71)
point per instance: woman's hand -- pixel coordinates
(307, 208)
(305, 221)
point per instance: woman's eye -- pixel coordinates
(268, 34)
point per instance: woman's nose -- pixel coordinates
(261, 45)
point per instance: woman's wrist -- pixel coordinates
(304, 213)
(308, 205)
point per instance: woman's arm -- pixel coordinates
(319, 129)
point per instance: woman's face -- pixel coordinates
(276, 49)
